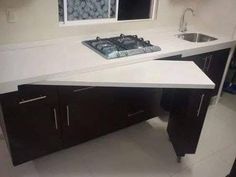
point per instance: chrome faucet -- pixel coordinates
(183, 24)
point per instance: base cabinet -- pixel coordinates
(31, 123)
(38, 120)
(187, 115)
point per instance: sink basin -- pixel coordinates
(196, 37)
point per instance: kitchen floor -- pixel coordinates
(142, 150)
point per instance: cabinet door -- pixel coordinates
(186, 119)
(32, 123)
(216, 66)
(88, 112)
(114, 113)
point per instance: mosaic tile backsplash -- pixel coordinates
(88, 9)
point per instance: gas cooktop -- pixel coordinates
(121, 46)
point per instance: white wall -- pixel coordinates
(38, 20)
(219, 15)
(170, 11)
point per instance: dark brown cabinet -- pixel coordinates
(233, 170)
(88, 112)
(81, 110)
(32, 123)
(213, 64)
(38, 120)
(187, 115)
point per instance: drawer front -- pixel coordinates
(137, 116)
(34, 94)
(142, 105)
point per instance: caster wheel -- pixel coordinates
(179, 159)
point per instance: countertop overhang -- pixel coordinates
(150, 74)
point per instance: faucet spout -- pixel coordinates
(183, 23)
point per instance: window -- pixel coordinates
(104, 11)
(135, 9)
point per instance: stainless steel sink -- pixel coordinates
(196, 37)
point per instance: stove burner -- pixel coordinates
(102, 44)
(121, 46)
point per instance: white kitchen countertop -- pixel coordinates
(150, 74)
(42, 60)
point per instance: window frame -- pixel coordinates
(105, 21)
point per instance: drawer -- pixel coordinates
(137, 116)
(36, 93)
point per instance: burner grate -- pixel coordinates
(121, 46)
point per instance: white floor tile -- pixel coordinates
(66, 163)
(7, 169)
(210, 167)
(228, 154)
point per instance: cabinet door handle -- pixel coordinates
(209, 63)
(200, 105)
(55, 118)
(68, 115)
(136, 113)
(32, 100)
(83, 89)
